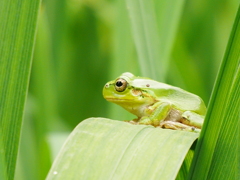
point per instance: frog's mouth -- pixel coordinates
(124, 102)
(116, 99)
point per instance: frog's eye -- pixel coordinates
(120, 85)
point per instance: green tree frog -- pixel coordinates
(156, 103)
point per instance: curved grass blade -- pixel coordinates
(100, 148)
(3, 166)
(145, 33)
(217, 151)
(154, 27)
(18, 26)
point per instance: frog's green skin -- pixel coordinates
(156, 103)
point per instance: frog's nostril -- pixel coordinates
(107, 85)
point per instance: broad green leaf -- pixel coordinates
(18, 20)
(100, 148)
(217, 152)
(153, 27)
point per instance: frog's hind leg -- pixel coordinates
(177, 125)
(159, 111)
(192, 119)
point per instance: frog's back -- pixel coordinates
(184, 100)
(178, 97)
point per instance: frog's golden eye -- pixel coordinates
(120, 85)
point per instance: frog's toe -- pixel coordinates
(177, 125)
(168, 125)
(132, 122)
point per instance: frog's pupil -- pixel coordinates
(119, 83)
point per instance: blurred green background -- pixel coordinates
(82, 44)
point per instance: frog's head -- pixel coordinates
(125, 92)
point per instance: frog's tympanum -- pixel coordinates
(156, 103)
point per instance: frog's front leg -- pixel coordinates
(158, 112)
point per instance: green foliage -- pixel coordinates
(221, 161)
(101, 148)
(153, 27)
(17, 34)
(83, 44)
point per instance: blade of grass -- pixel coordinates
(41, 103)
(3, 166)
(146, 37)
(153, 46)
(216, 151)
(168, 14)
(18, 26)
(184, 170)
(225, 158)
(100, 148)
(27, 165)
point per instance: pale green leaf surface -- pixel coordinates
(217, 151)
(18, 26)
(100, 148)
